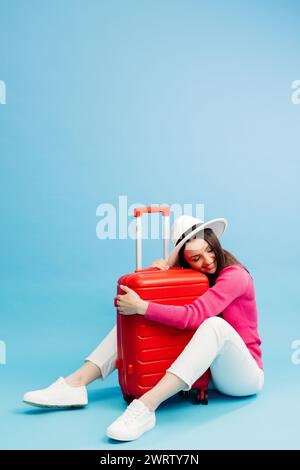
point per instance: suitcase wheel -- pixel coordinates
(201, 397)
(184, 393)
(128, 398)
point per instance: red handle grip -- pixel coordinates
(140, 210)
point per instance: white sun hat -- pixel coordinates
(186, 227)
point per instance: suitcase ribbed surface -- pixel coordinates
(146, 348)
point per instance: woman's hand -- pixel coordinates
(159, 263)
(131, 303)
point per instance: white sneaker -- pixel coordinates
(135, 420)
(58, 395)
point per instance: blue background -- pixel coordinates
(184, 102)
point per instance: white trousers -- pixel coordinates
(215, 344)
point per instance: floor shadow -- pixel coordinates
(218, 405)
(113, 398)
(215, 398)
(38, 410)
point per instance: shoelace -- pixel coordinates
(130, 415)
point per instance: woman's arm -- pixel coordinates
(231, 283)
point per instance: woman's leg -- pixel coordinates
(99, 364)
(86, 374)
(164, 389)
(217, 345)
(72, 391)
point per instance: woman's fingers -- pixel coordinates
(159, 266)
(159, 263)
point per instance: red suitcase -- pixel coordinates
(146, 348)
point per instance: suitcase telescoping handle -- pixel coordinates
(138, 212)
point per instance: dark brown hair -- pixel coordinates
(223, 257)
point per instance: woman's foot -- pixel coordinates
(58, 395)
(130, 425)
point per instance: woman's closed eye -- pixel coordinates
(196, 259)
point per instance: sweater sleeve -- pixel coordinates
(230, 284)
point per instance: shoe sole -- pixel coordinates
(39, 405)
(148, 428)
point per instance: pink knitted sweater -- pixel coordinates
(232, 295)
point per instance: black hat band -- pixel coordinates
(187, 232)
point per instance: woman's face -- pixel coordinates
(200, 256)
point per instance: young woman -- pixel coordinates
(226, 335)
